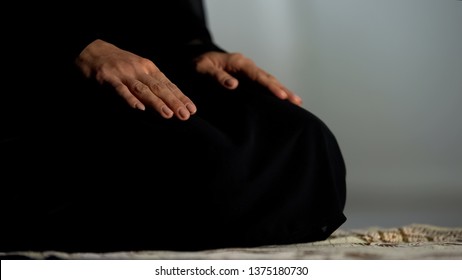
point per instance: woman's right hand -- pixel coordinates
(136, 79)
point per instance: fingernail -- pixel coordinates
(167, 112)
(229, 83)
(192, 109)
(298, 99)
(184, 114)
(283, 94)
(140, 106)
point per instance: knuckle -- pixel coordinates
(171, 86)
(156, 88)
(148, 64)
(240, 60)
(139, 88)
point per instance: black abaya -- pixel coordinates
(246, 170)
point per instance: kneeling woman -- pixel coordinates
(160, 139)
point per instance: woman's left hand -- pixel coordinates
(222, 66)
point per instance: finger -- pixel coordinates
(284, 93)
(190, 106)
(170, 95)
(276, 89)
(292, 97)
(131, 100)
(270, 82)
(279, 90)
(144, 93)
(228, 81)
(223, 77)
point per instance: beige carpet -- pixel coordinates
(415, 241)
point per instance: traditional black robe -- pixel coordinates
(82, 171)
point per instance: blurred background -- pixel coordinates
(385, 76)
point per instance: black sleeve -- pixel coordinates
(169, 28)
(204, 41)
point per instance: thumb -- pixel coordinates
(225, 79)
(230, 83)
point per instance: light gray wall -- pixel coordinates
(386, 76)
